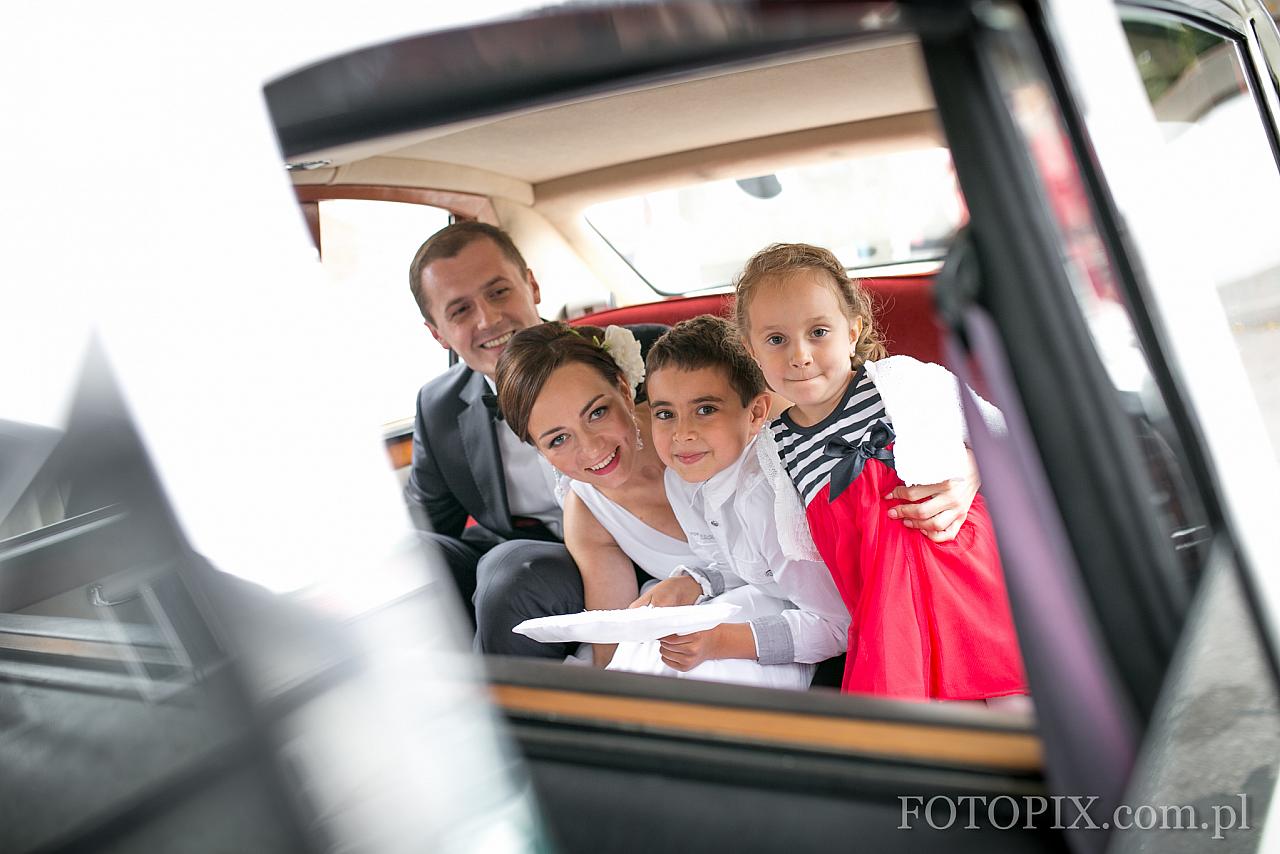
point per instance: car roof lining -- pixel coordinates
(727, 120)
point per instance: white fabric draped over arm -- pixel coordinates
(923, 402)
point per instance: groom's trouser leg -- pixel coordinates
(520, 580)
(462, 559)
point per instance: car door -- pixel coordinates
(1096, 345)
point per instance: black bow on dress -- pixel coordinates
(853, 457)
(491, 403)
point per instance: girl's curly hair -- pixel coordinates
(780, 259)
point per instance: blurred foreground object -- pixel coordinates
(150, 702)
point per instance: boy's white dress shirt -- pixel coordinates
(729, 520)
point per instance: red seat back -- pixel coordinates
(903, 308)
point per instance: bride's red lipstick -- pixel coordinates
(613, 464)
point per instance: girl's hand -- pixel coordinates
(937, 510)
(677, 590)
(727, 640)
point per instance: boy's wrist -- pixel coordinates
(734, 640)
(703, 578)
(690, 589)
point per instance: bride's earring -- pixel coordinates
(639, 439)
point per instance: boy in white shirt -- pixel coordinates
(709, 401)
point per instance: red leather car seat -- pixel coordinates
(903, 306)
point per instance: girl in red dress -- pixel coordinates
(930, 620)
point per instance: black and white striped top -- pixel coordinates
(801, 447)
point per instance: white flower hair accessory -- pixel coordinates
(622, 346)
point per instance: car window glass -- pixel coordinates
(366, 248)
(1107, 316)
(1227, 180)
(886, 209)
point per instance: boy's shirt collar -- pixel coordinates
(721, 486)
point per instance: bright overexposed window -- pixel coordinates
(1224, 171)
(367, 246)
(872, 211)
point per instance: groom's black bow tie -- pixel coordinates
(854, 457)
(491, 403)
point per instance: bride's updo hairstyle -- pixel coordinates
(534, 354)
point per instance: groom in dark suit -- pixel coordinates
(475, 291)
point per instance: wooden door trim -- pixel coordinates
(916, 742)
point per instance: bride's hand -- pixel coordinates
(677, 590)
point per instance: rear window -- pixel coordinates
(872, 211)
(367, 246)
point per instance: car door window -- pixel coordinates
(364, 247)
(1224, 168)
(1111, 324)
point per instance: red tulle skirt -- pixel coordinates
(930, 620)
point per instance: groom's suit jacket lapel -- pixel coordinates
(483, 459)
